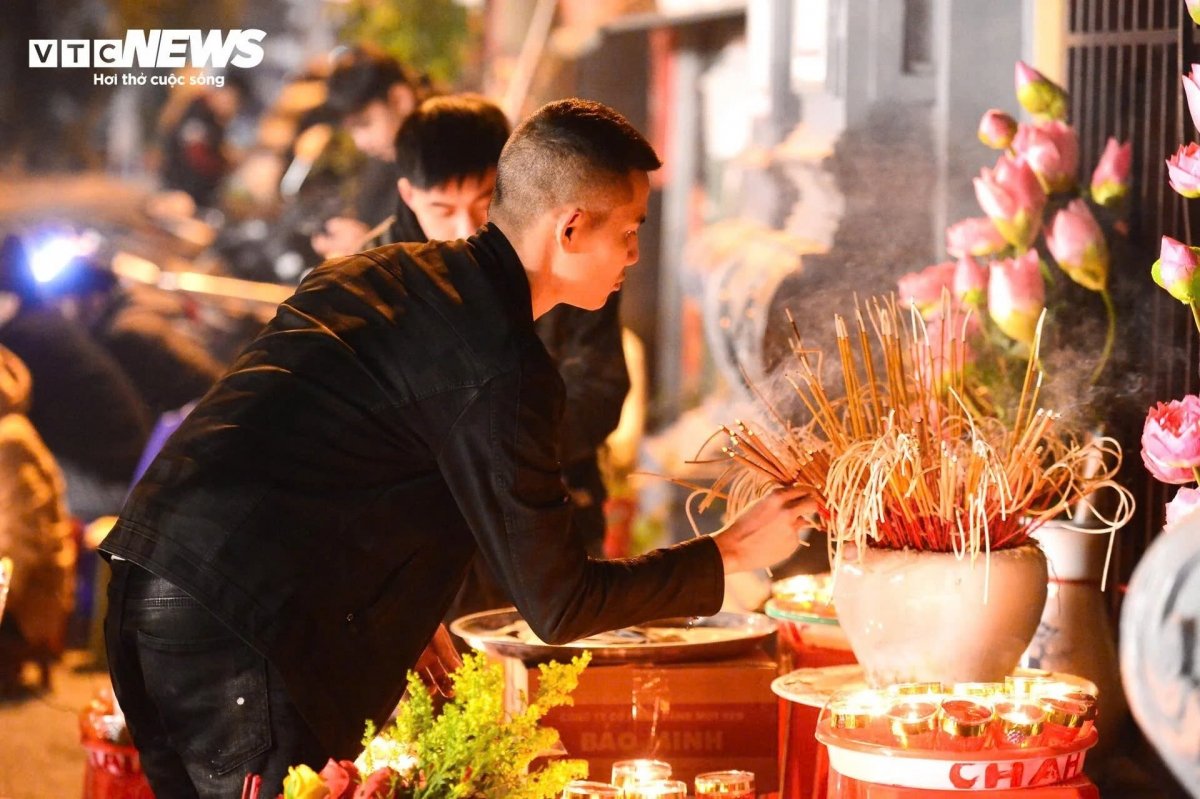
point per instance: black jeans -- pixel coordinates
(203, 707)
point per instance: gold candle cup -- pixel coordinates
(964, 724)
(725, 785)
(914, 723)
(582, 789)
(1064, 719)
(629, 772)
(1093, 709)
(915, 688)
(1026, 686)
(1018, 725)
(656, 789)
(987, 690)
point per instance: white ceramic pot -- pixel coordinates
(924, 616)
(1075, 635)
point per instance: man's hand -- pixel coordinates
(767, 531)
(342, 236)
(439, 660)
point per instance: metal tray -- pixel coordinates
(750, 629)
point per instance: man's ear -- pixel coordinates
(568, 230)
(402, 99)
(406, 191)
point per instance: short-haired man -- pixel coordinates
(290, 552)
(372, 94)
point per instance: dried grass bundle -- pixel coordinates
(902, 460)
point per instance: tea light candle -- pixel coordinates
(1026, 686)
(858, 715)
(1064, 719)
(914, 723)
(964, 724)
(915, 688)
(977, 689)
(1089, 701)
(582, 789)
(1018, 725)
(725, 785)
(656, 789)
(628, 772)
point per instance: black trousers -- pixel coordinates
(203, 707)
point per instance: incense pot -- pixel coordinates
(930, 616)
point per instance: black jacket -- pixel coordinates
(325, 498)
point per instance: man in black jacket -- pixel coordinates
(291, 550)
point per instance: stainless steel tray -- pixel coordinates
(483, 631)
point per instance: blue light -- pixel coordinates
(51, 256)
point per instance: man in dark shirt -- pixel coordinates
(290, 552)
(193, 154)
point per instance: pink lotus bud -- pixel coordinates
(1176, 270)
(1191, 90)
(970, 281)
(1186, 501)
(996, 129)
(1171, 440)
(924, 289)
(1193, 7)
(1076, 241)
(1110, 181)
(1013, 199)
(1052, 151)
(976, 236)
(1016, 296)
(1039, 95)
(1183, 170)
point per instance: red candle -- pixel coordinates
(963, 724)
(725, 785)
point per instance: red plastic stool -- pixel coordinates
(113, 772)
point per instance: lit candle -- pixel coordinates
(628, 772)
(656, 789)
(914, 723)
(582, 789)
(725, 785)
(964, 724)
(856, 715)
(1018, 725)
(915, 688)
(1064, 719)
(1026, 686)
(983, 689)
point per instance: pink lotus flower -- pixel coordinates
(1191, 90)
(970, 281)
(1052, 151)
(1176, 270)
(996, 129)
(1193, 7)
(1185, 502)
(1039, 95)
(1171, 440)
(1013, 198)
(1075, 240)
(1183, 168)
(1016, 296)
(924, 289)
(1110, 181)
(976, 236)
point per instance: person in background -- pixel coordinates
(293, 548)
(446, 156)
(86, 408)
(372, 94)
(36, 532)
(194, 159)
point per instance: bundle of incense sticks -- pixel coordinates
(900, 459)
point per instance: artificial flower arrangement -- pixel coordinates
(1030, 198)
(1171, 435)
(473, 748)
(899, 460)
